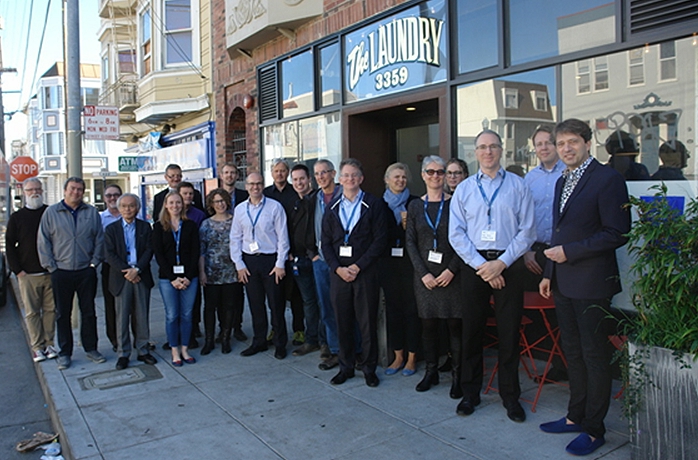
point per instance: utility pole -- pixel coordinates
(71, 31)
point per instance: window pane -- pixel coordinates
(477, 34)
(541, 28)
(127, 61)
(177, 14)
(297, 84)
(145, 26)
(481, 105)
(330, 68)
(668, 69)
(178, 47)
(667, 50)
(637, 74)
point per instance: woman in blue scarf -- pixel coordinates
(396, 276)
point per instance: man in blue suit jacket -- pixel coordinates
(128, 251)
(590, 220)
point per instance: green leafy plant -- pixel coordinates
(664, 244)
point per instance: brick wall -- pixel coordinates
(235, 77)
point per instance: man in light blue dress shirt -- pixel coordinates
(491, 227)
(259, 248)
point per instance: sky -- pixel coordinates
(21, 42)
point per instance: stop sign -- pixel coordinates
(22, 168)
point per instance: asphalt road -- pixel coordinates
(24, 410)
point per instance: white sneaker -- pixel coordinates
(38, 356)
(51, 352)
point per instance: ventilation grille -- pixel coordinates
(647, 15)
(268, 94)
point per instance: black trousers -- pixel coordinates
(508, 309)
(261, 285)
(584, 331)
(400, 305)
(222, 300)
(356, 305)
(66, 284)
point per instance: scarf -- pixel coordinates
(397, 202)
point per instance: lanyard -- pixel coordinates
(489, 202)
(432, 225)
(249, 216)
(351, 217)
(177, 235)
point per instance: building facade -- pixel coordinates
(156, 58)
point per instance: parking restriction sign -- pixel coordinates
(101, 122)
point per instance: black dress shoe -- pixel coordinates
(253, 350)
(340, 378)
(467, 406)
(239, 335)
(166, 346)
(515, 412)
(193, 343)
(148, 359)
(371, 379)
(121, 363)
(280, 353)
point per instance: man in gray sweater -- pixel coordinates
(70, 244)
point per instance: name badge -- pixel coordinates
(488, 235)
(345, 251)
(397, 252)
(435, 257)
(178, 269)
(254, 247)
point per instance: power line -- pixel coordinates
(41, 44)
(26, 52)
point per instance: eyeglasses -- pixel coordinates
(350, 176)
(431, 172)
(112, 195)
(32, 190)
(491, 147)
(255, 184)
(218, 201)
(454, 173)
(174, 176)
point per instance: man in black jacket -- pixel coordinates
(34, 280)
(173, 176)
(128, 250)
(353, 238)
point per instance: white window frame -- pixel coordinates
(506, 94)
(535, 95)
(601, 61)
(581, 73)
(142, 57)
(159, 33)
(667, 59)
(640, 63)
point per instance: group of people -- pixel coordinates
(445, 260)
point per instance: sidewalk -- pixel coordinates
(228, 406)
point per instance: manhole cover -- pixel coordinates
(115, 378)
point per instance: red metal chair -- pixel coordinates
(492, 322)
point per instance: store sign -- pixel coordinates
(401, 52)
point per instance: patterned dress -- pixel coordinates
(215, 248)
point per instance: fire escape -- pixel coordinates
(119, 35)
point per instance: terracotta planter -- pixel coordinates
(667, 425)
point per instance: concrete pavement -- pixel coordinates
(228, 406)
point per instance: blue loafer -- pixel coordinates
(583, 445)
(408, 372)
(560, 426)
(394, 370)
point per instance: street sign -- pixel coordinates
(22, 168)
(101, 122)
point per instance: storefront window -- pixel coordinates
(297, 87)
(302, 141)
(478, 35)
(330, 78)
(541, 28)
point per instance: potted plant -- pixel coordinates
(661, 394)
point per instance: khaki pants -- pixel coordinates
(39, 309)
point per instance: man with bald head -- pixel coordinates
(259, 247)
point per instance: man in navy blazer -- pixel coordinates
(354, 236)
(128, 250)
(590, 221)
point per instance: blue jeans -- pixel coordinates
(314, 334)
(321, 271)
(178, 311)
